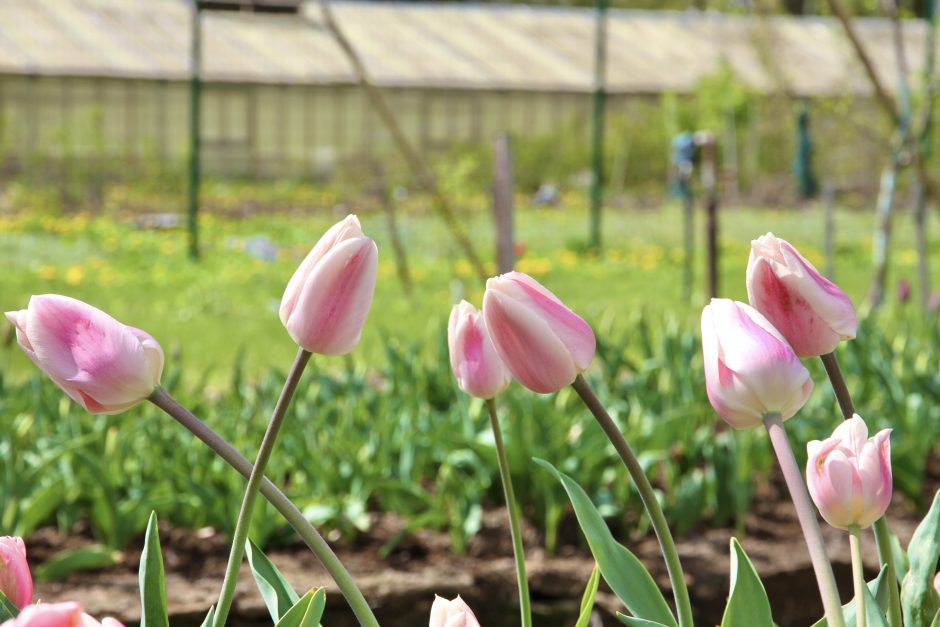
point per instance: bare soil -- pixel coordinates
(402, 586)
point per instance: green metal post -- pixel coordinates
(597, 134)
(195, 98)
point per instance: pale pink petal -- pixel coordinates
(48, 615)
(824, 296)
(335, 298)
(438, 611)
(348, 228)
(853, 433)
(89, 350)
(571, 329)
(525, 342)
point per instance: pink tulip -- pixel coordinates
(808, 309)
(100, 363)
(473, 359)
(542, 342)
(327, 300)
(15, 581)
(936, 582)
(849, 474)
(750, 370)
(57, 615)
(454, 613)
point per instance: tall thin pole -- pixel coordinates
(195, 98)
(597, 131)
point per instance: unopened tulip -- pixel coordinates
(327, 300)
(100, 363)
(808, 309)
(67, 614)
(542, 342)
(473, 359)
(750, 370)
(454, 613)
(849, 474)
(15, 581)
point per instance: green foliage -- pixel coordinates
(89, 558)
(153, 612)
(7, 609)
(278, 595)
(919, 600)
(747, 603)
(621, 569)
(306, 612)
(587, 600)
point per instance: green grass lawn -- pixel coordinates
(208, 312)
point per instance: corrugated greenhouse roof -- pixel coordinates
(455, 46)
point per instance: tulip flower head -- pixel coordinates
(849, 474)
(473, 359)
(454, 613)
(808, 309)
(105, 366)
(67, 614)
(327, 300)
(542, 342)
(15, 581)
(750, 370)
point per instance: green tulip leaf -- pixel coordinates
(747, 603)
(307, 612)
(210, 618)
(278, 595)
(919, 599)
(152, 586)
(7, 609)
(878, 590)
(587, 601)
(620, 568)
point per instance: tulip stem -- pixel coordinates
(858, 576)
(344, 581)
(807, 517)
(512, 507)
(653, 510)
(227, 595)
(881, 529)
(838, 385)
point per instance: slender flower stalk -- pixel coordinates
(858, 576)
(311, 537)
(880, 528)
(512, 507)
(653, 510)
(254, 484)
(807, 517)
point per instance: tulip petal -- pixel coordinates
(474, 361)
(348, 228)
(527, 345)
(571, 329)
(335, 298)
(824, 296)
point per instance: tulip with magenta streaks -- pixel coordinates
(15, 581)
(473, 359)
(808, 309)
(102, 364)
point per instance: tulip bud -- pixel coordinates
(67, 614)
(104, 365)
(473, 359)
(808, 309)
(750, 370)
(327, 300)
(15, 581)
(454, 613)
(849, 474)
(542, 342)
